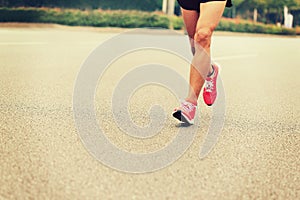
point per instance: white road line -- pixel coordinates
(21, 43)
(235, 57)
(42, 43)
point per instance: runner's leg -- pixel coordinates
(210, 15)
(190, 18)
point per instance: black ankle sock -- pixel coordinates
(212, 72)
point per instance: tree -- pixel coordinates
(252, 4)
(256, 7)
(277, 7)
(268, 10)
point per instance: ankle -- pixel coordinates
(192, 101)
(212, 71)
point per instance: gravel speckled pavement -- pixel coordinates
(42, 157)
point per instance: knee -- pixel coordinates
(203, 37)
(192, 43)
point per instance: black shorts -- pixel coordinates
(195, 4)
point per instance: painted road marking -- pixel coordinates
(235, 57)
(21, 43)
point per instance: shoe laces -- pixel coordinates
(187, 106)
(209, 85)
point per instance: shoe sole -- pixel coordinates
(181, 117)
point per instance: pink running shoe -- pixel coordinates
(210, 87)
(185, 112)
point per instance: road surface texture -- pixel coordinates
(42, 156)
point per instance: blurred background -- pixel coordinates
(41, 154)
(258, 16)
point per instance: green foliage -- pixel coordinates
(250, 27)
(259, 4)
(99, 18)
(270, 11)
(280, 4)
(144, 5)
(126, 19)
(176, 23)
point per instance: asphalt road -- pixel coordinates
(42, 156)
